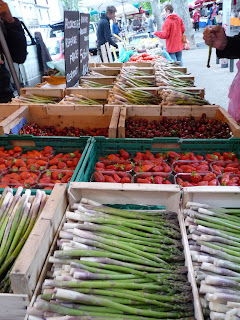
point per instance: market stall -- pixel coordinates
(119, 197)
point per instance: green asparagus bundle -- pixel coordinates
(134, 72)
(123, 95)
(18, 215)
(116, 264)
(80, 99)
(133, 82)
(93, 84)
(180, 96)
(33, 98)
(160, 64)
(214, 238)
(167, 78)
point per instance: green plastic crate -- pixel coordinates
(101, 146)
(59, 144)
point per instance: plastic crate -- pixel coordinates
(101, 146)
(59, 144)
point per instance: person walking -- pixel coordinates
(213, 12)
(17, 45)
(150, 26)
(196, 19)
(172, 30)
(104, 31)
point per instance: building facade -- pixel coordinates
(37, 14)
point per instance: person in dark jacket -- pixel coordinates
(104, 31)
(17, 45)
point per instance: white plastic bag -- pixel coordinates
(234, 96)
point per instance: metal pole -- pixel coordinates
(9, 60)
(231, 67)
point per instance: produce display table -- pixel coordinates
(130, 173)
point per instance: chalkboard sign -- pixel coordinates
(84, 43)
(71, 48)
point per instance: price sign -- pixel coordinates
(84, 43)
(71, 48)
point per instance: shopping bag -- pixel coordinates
(234, 96)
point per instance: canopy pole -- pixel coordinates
(9, 60)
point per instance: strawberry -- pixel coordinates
(195, 177)
(124, 154)
(99, 177)
(126, 180)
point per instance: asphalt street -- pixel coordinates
(215, 80)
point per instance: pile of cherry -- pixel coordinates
(186, 169)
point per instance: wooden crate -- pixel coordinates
(219, 196)
(228, 197)
(49, 92)
(108, 65)
(113, 71)
(147, 112)
(167, 195)
(212, 112)
(92, 93)
(101, 80)
(6, 109)
(62, 116)
(138, 64)
(28, 266)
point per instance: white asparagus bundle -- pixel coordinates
(216, 231)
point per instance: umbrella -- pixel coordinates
(126, 9)
(101, 5)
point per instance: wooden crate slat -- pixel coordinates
(13, 306)
(185, 111)
(92, 93)
(218, 196)
(223, 115)
(48, 92)
(28, 266)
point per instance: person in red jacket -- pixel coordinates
(172, 30)
(196, 19)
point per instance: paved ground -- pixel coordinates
(215, 80)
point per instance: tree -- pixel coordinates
(181, 9)
(156, 9)
(70, 4)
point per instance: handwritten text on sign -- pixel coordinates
(72, 53)
(84, 43)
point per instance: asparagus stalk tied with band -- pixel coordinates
(117, 264)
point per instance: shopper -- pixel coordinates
(213, 12)
(196, 19)
(172, 30)
(150, 26)
(136, 24)
(17, 45)
(115, 28)
(104, 31)
(227, 47)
